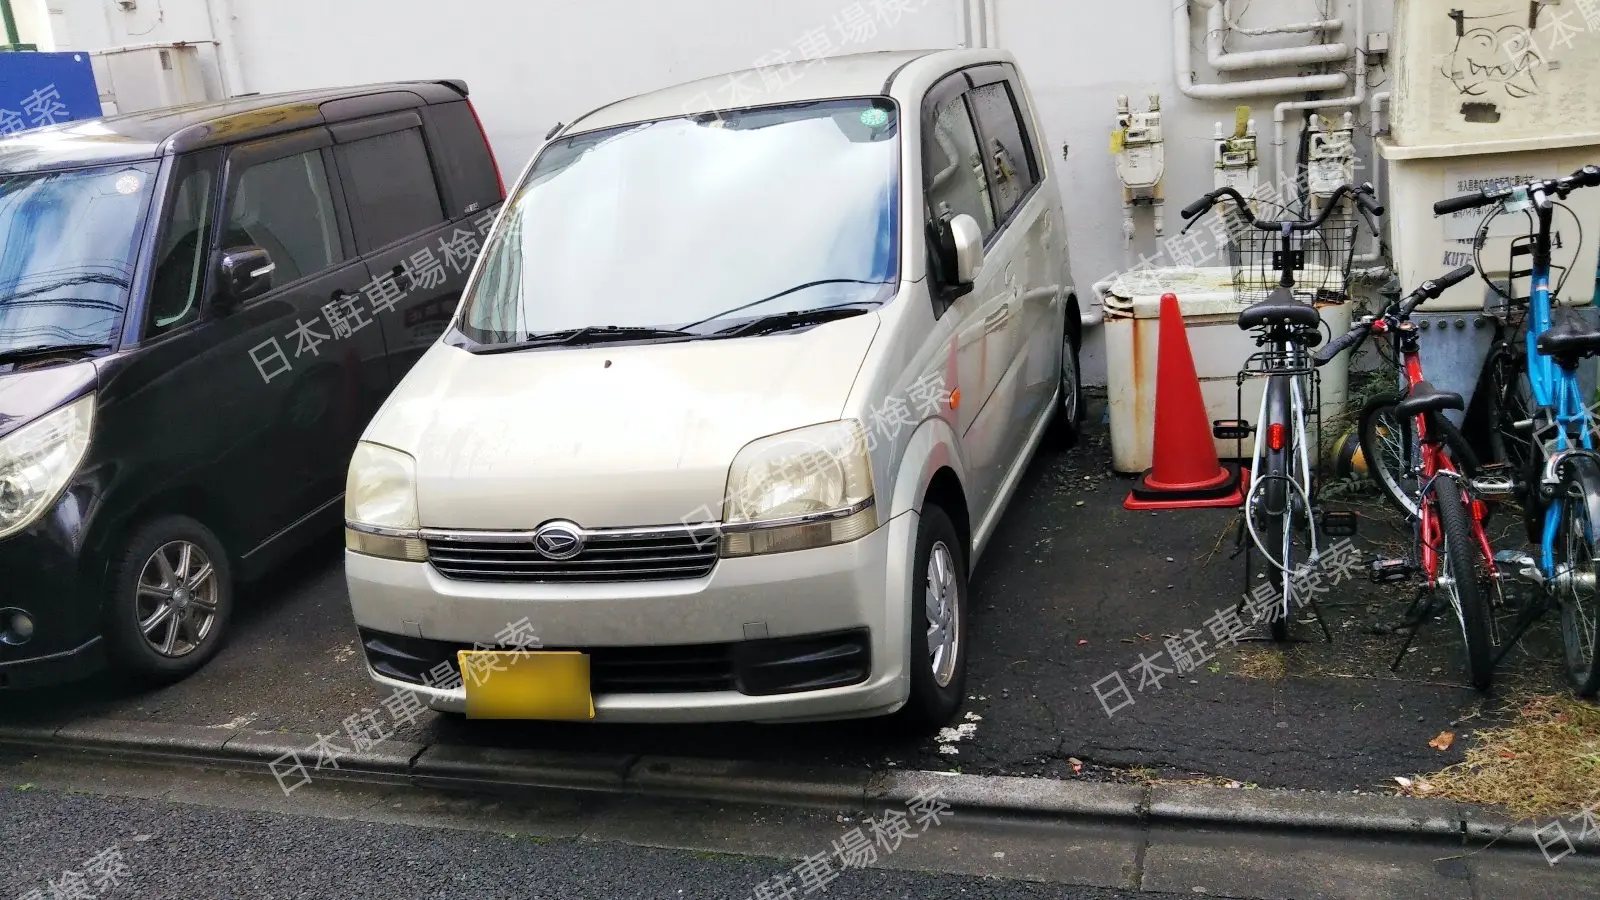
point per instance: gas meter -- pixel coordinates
(1137, 145)
(1234, 157)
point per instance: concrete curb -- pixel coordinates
(1038, 800)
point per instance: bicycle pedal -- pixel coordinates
(1340, 524)
(1495, 481)
(1391, 571)
(1231, 429)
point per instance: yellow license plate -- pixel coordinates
(504, 684)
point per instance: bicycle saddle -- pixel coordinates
(1424, 397)
(1570, 341)
(1280, 309)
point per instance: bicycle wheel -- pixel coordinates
(1389, 446)
(1511, 402)
(1462, 572)
(1577, 550)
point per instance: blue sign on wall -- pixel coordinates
(45, 89)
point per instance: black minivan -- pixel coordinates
(200, 309)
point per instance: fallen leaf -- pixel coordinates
(1077, 764)
(1404, 781)
(1507, 754)
(1443, 741)
(1082, 641)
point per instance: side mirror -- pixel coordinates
(246, 274)
(967, 239)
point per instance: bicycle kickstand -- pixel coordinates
(1414, 624)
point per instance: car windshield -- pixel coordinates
(699, 222)
(67, 245)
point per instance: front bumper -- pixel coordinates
(740, 609)
(42, 574)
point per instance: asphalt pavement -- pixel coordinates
(1072, 590)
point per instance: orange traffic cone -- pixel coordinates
(1186, 472)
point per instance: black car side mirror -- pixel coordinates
(246, 274)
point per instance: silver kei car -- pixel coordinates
(732, 405)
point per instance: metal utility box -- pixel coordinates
(1211, 320)
(149, 76)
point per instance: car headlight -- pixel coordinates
(38, 459)
(380, 504)
(801, 489)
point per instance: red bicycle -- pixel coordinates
(1426, 468)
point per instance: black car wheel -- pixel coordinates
(938, 654)
(170, 602)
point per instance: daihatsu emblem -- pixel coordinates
(558, 540)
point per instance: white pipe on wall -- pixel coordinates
(1280, 112)
(220, 12)
(1293, 28)
(1223, 61)
(1380, 99)
(1238, 90)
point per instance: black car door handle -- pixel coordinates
(401, 278)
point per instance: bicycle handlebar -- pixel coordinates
(1588, 176)
(1428, 290)
(1363, 196)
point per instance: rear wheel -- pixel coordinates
(1066, 427)
(1577, 567)
(1393, 456)
(1462, 573)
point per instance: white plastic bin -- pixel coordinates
(1210, 312)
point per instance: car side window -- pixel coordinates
(952, 178)
(180, 271)
(284, 206)
(1006, 155)
(389, 183)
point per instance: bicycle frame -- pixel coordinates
(1555, 392)
(1435, 463)
(1287, 369)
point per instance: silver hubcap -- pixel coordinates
(177, 602)
(1069, 380)
(943, 605)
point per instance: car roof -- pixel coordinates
(148, 134)
(853, 75)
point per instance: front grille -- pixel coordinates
(606, 557)
(753, 668)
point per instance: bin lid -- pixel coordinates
(1201, 291)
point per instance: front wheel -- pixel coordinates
(938, 654)
(1577, 568)
(1461, 574)
(1393, 456)
(171, 600)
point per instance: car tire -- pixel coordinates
(170, 600)
(1066, 426)
(938, 591)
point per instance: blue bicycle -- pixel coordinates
(1559, 483)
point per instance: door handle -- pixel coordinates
(401, 278)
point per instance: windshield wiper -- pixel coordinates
(798, 319)
(783, 293)
(21, 353)
(590, 334)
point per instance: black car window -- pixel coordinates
(180, 270)
(284, 207)
(389, 183)
(1005, 154)
(462, 157)
(950, 166)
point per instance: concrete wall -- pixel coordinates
(532, 63)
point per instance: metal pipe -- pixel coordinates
(12, 38)
(1292, 28)
(1096, 313)
(1380, 99)
(220, 15)
(1280, 112)
(1238, 90)
(1223, 61)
